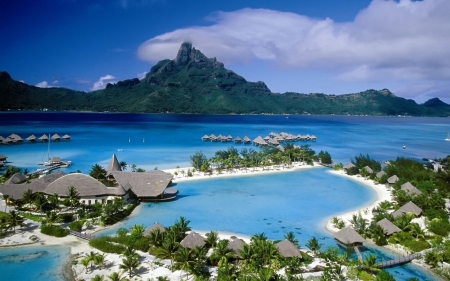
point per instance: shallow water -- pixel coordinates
(296, 201)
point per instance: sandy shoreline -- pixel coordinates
(79, 248)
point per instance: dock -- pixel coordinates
(49, 168)
(81, 235)
(358, 253)
(399, 261)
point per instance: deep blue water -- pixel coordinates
(298, 201)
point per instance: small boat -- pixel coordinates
(448, 137)
(404, 147)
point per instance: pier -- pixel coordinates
(49, 168)
(399, 261)
(358, 253)
(81, 235)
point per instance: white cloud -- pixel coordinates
(389, 40)
(102, 82)
(43, 84)
(141, 75)
(55, 82)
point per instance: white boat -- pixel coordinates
(54, 160)
(448, 137)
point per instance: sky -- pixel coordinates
(303, 46)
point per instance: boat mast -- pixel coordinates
(48, 150)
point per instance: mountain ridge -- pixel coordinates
(194, 83)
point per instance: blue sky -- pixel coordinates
(304, 46)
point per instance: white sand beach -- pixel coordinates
(383, 194)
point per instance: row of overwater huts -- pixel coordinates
(273, 139)
(15, 139)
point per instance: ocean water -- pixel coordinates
(299, 201)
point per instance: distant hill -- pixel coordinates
(193, 83)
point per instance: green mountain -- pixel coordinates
(193, 83)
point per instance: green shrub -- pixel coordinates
(54, 230)
(352, 171)
(439, 227)
(120, 215)
(76, 225)
(384, 276)
(65, 218)
(103, 244)
(436, 214)
(31, 217)
(365, 276)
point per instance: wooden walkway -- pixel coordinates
(399, 261)
(81, 235)
(358, 253)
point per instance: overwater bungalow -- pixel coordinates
(56, 137)
(388, 227)
(237, 140)
(222, 138)
(313, 138)
(3, 158)
(259, 141)
(15, 138)
(229, 138)
(193, 240)
(31, 138)
(288, 249)
(205, 138)
(266, 138)
(1, 138)
(155, 226)
(43, 138)
(247, 140)
(280, 148)
(410, 189)
(273, 142)
(7, 141)
(349, 237)
(66, 137)
(212, 137)
(409, 207)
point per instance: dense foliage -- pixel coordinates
(193, 83)
(54, 230)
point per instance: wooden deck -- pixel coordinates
(81, 235)
(398, 261)
(358, 253)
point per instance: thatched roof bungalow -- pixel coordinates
(193, 240)
(388, 227)
(56, 137)
(3, 158)
(205, 138)
(44, 137)
(113, 165)
(246, 140)
(410, 189)
(288, 249)
(15, 138)
(259, 141)
(368, 169)
(409, 207)
(31, 138)
(154, 227)
(393, 179)
(349, 237)
(16, 178)
(380, 174)
(66, 137)
(212, 137)
(236, 245)
(7, 140)
(237, 139)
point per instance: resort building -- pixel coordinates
(392, 180)
(388, 227)
(3, 158)
(154, 227)
(288, 249)
(410, 189)
(236, 245)
(348, 166)
(349, 237)
(193, 240)
(409, 207)
(380, 174)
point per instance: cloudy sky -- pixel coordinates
(304, 46)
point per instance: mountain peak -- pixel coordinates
(386, 92)
(435, 102)
(189, 55)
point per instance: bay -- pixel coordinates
(166, 141)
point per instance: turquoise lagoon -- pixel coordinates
(299, 201)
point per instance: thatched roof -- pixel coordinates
(410, 189)
(7, 140)
(31, 138)
(84, 184)
(113, 165)
(193, 240)
(16, 178)
(15, 138)
(56, 137)
(380, 174)
(3, 157)
(247, 139)
(280, 148)
(392, 180)
(146, 184)
(16, 191)
(66, 137)
(368, 169)
(348, 236)
(388, 227)
(409, 207)
(236, 245)
(348, 166)
(44, 137)
(259, 141)
(205, 137)
(55, 160)
(288, 249)
(1, 138)
(153, 227)
(237, 139)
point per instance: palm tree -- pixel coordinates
(72, 195)
(28, 197)
(98, 278)
(116, 277)
(137, 230)
(130, 252)
(54, 200)
(99, 260)
(14, 220)
(258, 236)
(184, 260)
(226, 272)
(156, 237)
(415, 230)
(85, 262)
(221, 252)
(51, 218)
(97, 172)
(433, 258)
(6, 198)
(180, 227)
(167, 250)
(369, 263)
(129, 263)
(40, 201)
(212, 238)
(313, 244)
(291, 237)
(91, 257)
(123, 165)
